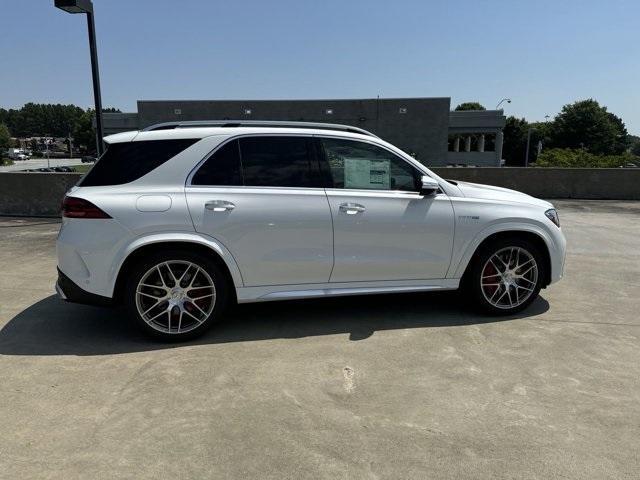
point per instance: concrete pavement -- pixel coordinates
(402, 386)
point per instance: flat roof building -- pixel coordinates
(422, 127)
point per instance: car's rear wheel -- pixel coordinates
(175, 295)
(506, 276)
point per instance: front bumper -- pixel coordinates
(558, 255)
(70, 292)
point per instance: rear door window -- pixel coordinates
(279, 162)
(221, 168)
(262, 161)
(129, 161)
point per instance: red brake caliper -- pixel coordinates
(490, 275)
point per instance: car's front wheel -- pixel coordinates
(506, 276)
(175, 295)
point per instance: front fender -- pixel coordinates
(459, 263)
(186, 237)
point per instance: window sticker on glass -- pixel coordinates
(367, 173)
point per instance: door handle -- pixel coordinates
(352, 208)
(219, 206)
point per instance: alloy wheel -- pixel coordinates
(175, 296)
(509, 277)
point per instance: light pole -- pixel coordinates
(508, 100)
(86, 6)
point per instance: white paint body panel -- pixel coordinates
(399, 236)
(278, 236)
(280, 243)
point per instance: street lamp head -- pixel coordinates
(75, 6)
(508, 100)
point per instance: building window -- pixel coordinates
(457, 142)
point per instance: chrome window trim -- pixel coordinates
(387, 193)
(413, 163)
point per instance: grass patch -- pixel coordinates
(84, 168)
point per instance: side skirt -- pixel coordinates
(314, 290)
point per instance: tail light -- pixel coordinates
(73, 207)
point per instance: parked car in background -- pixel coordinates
(179, 220)
(17, 154)
(88, 159)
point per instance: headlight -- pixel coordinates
(552, 215)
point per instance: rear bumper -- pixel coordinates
(69, 291)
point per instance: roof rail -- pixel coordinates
(255, 123)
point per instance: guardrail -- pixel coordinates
(40, 194)
(34, 194)
(586, 183)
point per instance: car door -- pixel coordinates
(383, 229)
(261, 196)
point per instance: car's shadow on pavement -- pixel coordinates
(54, 327)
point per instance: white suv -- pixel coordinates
(181, 219)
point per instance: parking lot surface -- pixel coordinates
(20, 165)
(395, 386)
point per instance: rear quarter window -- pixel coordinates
(129, 161)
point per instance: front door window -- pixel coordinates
(361, 165)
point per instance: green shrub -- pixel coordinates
(579, 158)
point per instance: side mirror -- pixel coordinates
(428, 186)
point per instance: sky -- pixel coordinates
(542, 54)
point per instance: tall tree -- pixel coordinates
(5, 139)
(44, 120)
(587, 124)
(634, 144)
(36, 119)
(83, 133)
(469, 106)
(515, 140)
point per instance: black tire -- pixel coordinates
(162, 329)
(472, 280)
